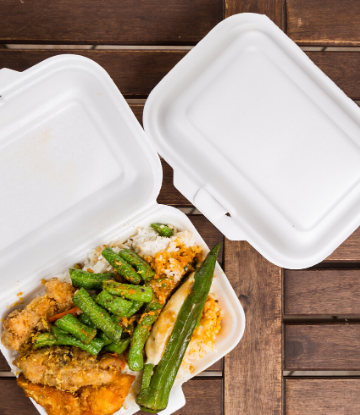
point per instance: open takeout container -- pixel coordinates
(261, 142)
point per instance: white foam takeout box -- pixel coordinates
(250, 125)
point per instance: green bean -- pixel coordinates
(134, 309)
(93, 347)
(118, 348)
(45, 339)
(135, 358)
(162, 229)
(131, 292)
(116, 305)
(99, 316)
(121, 266)
(84, 318)
(155, 396)
(88, 280)
(146, 378)
(135, 260)
(75, 327)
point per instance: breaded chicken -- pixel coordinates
(20, 323)
(105, 400)
(69, 368)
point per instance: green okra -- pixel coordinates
(162, 230)
(45, 339)
(72, 325)
(118, 348)
(121, 266)
(98, 315)
(135, 260)
(65, 339)
(140, 335)
(88, 280)
(131, 292)
(155, 396)
(116, 305)
(84, 318)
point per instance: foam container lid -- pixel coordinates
(254, 130)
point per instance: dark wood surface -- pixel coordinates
(319, 22)
(322, 293)
(151, 22)
(348, 250)
(322, 396)
(331, 346)
(253, 374)
(203, 396)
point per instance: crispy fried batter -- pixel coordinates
(69, 368)
(20, 323)
(105, 400)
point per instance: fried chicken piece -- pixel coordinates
(108, 399)
(18, 326)
(54, 401)
(69, 368)
(105, 400)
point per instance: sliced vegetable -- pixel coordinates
(155, 397)
(118, 348)
(74, 311)
(98, 315)
(116, 305)
(121, 266)
(72, 325)
(45, 339)
(131, 292)
(88, 280)
(84, 318)
(135, 260)
(162, 229)
(65, 339)
(135, 357)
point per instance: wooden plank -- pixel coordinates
(322, 396)
(322, 346)
(319, 22)
(138, 109)
(342, 68)
(253, 372)
(271, 8)
(4, 367)
(135, 72)
(348, 250)
(146, 22)
(323, 292)
(203, 397)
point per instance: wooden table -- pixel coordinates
(296, 320)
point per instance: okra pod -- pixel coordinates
(118, 348)
(88, 280)
(84, 318)
(121, 266)
(64, 339)
(162, 229)
(98, 315)
(116, 305)
(45, 339)
(72, 325)
(131, 292)
(155, 397)
(135, 357)
(135, 260)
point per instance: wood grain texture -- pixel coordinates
(135, 72)
(253, 372)
(146, 22)
(323, 292)
(4, 367)
(322, 396)
(138, 109)
(348, 250)
(272, 8)
(342, 68)
(203, 397)
(319, 22)
(322, 346)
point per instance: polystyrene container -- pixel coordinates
(76, 171)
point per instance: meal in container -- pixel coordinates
(119, 328)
